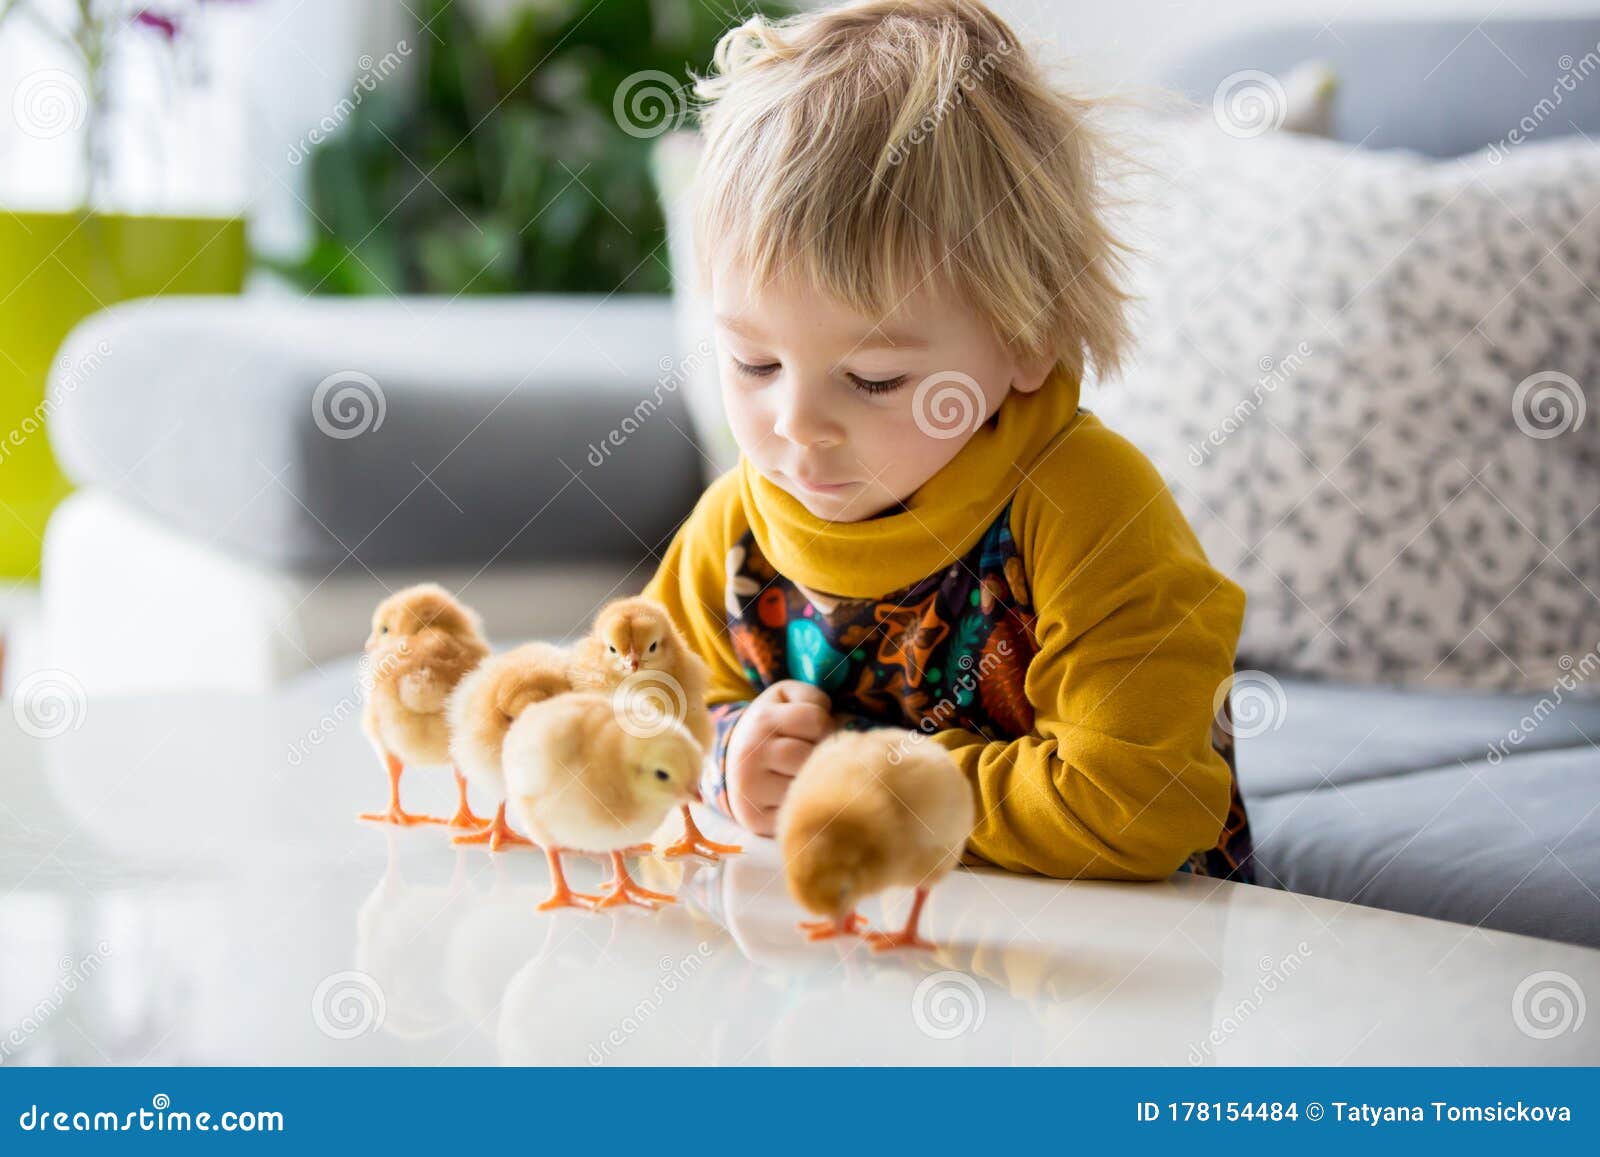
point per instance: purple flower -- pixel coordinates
(167, 26)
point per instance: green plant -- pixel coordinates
(512, 158)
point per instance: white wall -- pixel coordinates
(1132, 39)
(278, 67)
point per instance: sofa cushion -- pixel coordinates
(395, 432)
(1308, 734)
(1514, 847)
(1369, 379)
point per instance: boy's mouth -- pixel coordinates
(819, 487)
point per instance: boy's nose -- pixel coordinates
(803, 421)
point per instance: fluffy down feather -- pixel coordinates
(488, 701)
(577, 780)
(636, 636)
(423, 643)
(871, 810)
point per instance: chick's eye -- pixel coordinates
(662, 775)
(383, 630)
(885, 386)
(765, 370)
(652, 646)
(611, 648)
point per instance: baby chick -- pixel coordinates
(423, 643)
(871, 810)
(481, 711)
(635, 650)
(580, 780)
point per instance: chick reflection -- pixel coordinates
(622, 990)
(403, 932)
(1040, 964)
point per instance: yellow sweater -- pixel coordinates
(1040, 608)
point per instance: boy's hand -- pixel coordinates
(769, 743)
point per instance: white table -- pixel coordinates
(182, 880)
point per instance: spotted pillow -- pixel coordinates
(1367, 377)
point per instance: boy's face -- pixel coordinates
(852, 414)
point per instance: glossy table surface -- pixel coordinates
(182, 881)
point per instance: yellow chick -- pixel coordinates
(636, 652)
(481, 711)
(581, 778)
(871, 810)
(423, 643)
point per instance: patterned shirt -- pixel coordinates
(951, 651)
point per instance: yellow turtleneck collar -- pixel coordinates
(946, 516)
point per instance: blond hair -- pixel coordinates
(885, 143)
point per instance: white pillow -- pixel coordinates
(1367, 377)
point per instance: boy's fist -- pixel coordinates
(769, 743)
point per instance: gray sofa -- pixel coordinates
(1368, 794)
(1398, 799)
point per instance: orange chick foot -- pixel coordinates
(905, 938)
(396, 814)
(852, 925)
(399, 818)
(626, 894)
(562, 896)
(693, 843)
(496, 835)
(464, 820)
(625, 891)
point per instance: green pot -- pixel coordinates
(55, 270)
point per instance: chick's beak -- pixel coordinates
(633, 660)
(694, 794)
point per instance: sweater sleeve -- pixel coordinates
(691, 580)
(1136, 634)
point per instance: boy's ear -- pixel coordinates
(1030, 376)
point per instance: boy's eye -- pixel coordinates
(749, 371)
(868, 386)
